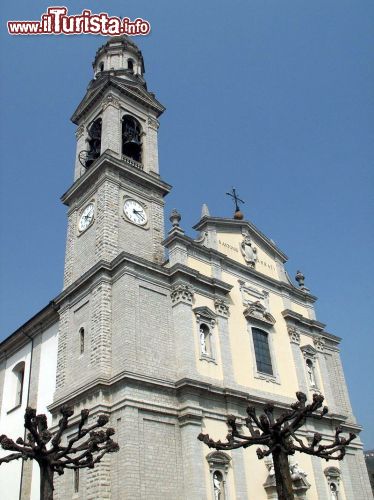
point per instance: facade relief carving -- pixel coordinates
(294, 334)
(319, 343)
(153, 123)
(110, 100)
(300, 484)
(222, 308)
(182, 292)
(251, 294)
(79, 132)
(257, 311)
(249, 251)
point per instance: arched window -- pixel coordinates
(19, 375)
(76, 480)
(131, 138)
(101, 66)
(81, 340)
(130, 65)
(262, 351)
(94, 141)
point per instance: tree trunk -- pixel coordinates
(282, 475)
(46, 482)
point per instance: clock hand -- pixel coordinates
(138, 212)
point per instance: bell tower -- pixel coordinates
(116, 200)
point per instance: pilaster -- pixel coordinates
(101, 337)
(81, 146)
(152, 146)
(222, 311)
(182, 299)
(111, 127)
(319, 344)
(298, 358)
(193, 460)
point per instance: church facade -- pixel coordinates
(165, 333)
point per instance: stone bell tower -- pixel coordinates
(116, 200)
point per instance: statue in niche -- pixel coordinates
(249, 251)
(310, 371)
(203, 338)
(218, 486)
(333, 491)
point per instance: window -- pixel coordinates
(262, 351)
(76, 480)
(19, 375)
(81, 340)
(94, 142)
(101, 66)
(130, 65)
(131, 138)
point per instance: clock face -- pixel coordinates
(135, 212)
(86, 217)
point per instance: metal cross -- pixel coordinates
(235, 198)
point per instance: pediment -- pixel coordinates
(309, 351)
(242, 242)
(256, 311)
(204, 312)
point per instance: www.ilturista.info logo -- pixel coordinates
(57, 22)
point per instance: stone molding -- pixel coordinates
(319, 343)
(294, 334)
(222, 308)
(258, 312)
(182, 292)
(204, 313)
(309, 352)
(153, 123)
(218, 460)
(110, 100)
(79, 132)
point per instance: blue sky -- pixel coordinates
(274, 98)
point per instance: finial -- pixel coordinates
(238, 214)
(175, 217)
(205, 211)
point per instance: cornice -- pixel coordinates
(307, 325)
(241, 268)
(40, 322)
(133, 90)
(102, 166)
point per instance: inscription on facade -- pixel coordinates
(227, 246)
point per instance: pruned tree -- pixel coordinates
(278, 435)
(52, 456)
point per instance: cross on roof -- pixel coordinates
(235, 199)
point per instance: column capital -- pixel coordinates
(294, 334)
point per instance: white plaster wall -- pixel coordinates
(11, 422)
(46, 388)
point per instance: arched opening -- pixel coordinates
(81, 340)
(310, 372)
(131, 138)
(130, 65)
(218, 486)
(19, 375)
(101, 66)
(205, 345)
(94, 141)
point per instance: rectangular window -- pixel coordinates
(76, 480)
(262, 351)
